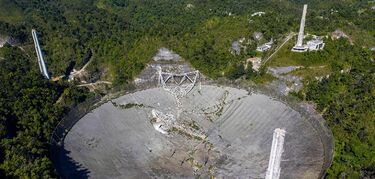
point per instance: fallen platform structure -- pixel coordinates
(179, 85)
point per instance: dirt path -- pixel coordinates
(77, 73)
(290, 36)
(96, 83)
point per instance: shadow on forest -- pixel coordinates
(68, 167)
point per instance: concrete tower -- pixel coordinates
(273, 171)
(42, 64)
(299, 47)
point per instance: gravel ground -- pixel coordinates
(285, 83)
(166, 54)
(117, 139)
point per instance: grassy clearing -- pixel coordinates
(336, 55)
(312, 72)
(263, 79)
(285, 57)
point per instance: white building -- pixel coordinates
(265, 47)
(3, 41)
(260, 13)
(315, 44)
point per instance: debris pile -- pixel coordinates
(166, 54)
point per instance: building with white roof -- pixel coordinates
(3, 41)
(265, 47)
(315, 44)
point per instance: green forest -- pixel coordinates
(123, 35)
(346, 100)
(30, 109)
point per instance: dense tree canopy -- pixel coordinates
(28, 113)
(347, 100)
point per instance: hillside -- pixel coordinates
(121, 36)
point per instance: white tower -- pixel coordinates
(42, 64)
(273, 171)
(299, 47)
